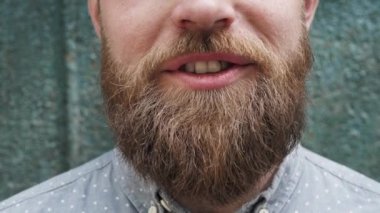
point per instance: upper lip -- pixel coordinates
(176, 63)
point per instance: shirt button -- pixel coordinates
(263, 210)
(152, 209)
(165, 205)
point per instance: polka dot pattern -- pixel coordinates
(325, 186)
(305, 182)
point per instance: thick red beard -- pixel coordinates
(213, 145)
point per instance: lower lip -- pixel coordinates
(208, 81)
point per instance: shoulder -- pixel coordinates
(82, 189)
(337, 188)
(334, 171)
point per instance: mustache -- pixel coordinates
(247, 47)
(147, 71)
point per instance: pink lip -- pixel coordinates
(208, 81)
(176, 63)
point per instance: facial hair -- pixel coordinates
(213, 145)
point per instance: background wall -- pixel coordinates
(51, 112)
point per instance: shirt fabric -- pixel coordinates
(305, 182)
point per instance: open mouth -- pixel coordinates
(202, 67)
(206, 71)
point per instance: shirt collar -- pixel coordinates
(144, 194)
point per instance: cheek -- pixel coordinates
(132, 28)
(279, 25)
(131, 41)
(288, 33)
(288, 27)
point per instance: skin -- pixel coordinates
(133, 27)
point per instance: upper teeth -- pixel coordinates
(205, 66)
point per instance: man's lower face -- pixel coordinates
(211, 144)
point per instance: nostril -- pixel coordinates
(185, 23)
(225, 22)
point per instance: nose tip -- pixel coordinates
(203, 15)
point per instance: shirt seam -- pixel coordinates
(57, 187)
(294, 189)
(340, 178)
(126, 193)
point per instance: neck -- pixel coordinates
(203, 206)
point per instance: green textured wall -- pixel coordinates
(51, 112)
